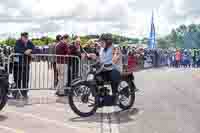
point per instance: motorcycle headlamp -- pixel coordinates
(94, 69)
(90, 77)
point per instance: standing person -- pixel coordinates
(157, 61)
(117, 59)
(74, 62)
(62, 50)
(178, 58)
(124, 57)
(174, 59)
(132, 61)
(52, 51)
(22, 64)
(169, 60)
(193, 57)
(197, 58)
(184, 59)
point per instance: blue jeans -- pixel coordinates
(115, 78)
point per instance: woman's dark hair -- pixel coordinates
(58, 38)
(107, 38)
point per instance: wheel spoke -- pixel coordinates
(86, 101)
(124, 93)
(90, 101)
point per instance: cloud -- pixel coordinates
(44, 27)
(181, 11)
(129, 17)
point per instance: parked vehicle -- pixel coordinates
(3, 88)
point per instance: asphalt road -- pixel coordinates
(168, 102)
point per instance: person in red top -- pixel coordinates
(132, 62)
(62, 50)
(178, 58)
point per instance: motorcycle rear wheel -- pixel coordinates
(3, 97)
(130, 92)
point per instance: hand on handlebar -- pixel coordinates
(92, 56)
(83, 56)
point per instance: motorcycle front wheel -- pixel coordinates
(126, 94)
(82, 101)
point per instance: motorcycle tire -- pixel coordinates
(79, 112)
(131, 85)
(3, 97)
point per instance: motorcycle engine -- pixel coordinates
(99, 80)
(104, 91)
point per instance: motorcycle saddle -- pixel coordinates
(127, 76)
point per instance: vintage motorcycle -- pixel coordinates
(95, 92)
(4, 85)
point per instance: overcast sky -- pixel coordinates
(127, 17)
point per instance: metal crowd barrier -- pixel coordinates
(43, 71)
(48, 72)
(85, 67)
(3, 60)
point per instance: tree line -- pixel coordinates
(117, 39)
(180, 37)
(184, 36)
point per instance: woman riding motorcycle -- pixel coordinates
(92, 90)
(105, 57)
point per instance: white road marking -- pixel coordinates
(11, 129)
(115, 127)
(58, 123)
(170, 70)
(108, 126)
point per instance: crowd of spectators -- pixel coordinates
(184, 58)
(125, 58)
(133, 57)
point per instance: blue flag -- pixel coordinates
(152, 37)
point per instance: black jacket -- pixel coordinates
(20, 48)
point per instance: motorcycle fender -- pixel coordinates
(131, 77)
(83, 82)
(77, 82)
(127, 76)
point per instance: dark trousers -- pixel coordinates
(21, 77)
(194, 60)
(55, 74)
(113, 76)
(177, 63)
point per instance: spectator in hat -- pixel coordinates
(22, 64)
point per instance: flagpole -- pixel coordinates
(152, 41)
